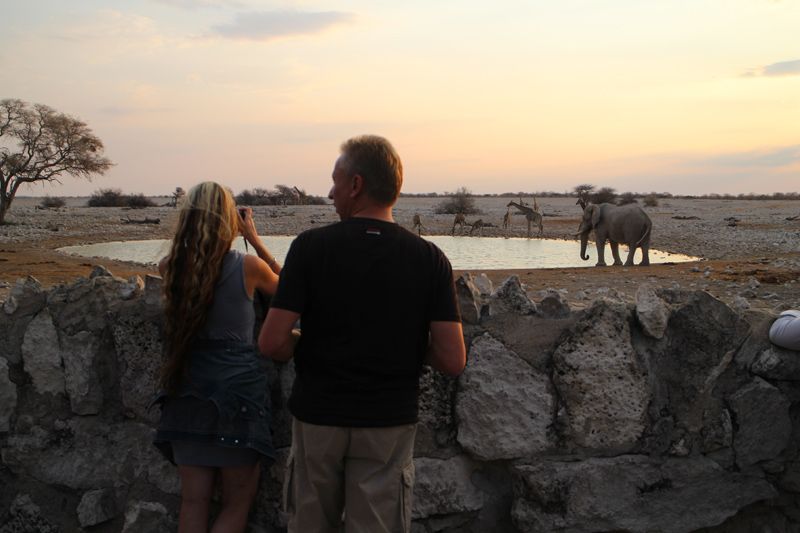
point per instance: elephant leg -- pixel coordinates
(631, 253)
(615, 252)
(601, 252)
(645, 256)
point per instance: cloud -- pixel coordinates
(192, 4)
(768, 157)
(775, 70)
(264, 26)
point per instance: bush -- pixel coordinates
(651, 200)
(255, 196)
(115, 198)
(606, 195)
(107, 198)
(316, 200)
(627, 198)
(138, 201)
(460, 201)
(53, 202)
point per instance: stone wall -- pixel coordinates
(674, 414)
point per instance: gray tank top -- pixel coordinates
(232, 316)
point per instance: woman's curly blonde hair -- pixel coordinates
(207, 225)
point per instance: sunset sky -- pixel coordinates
(687, 97)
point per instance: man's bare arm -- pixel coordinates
(277, 338)
(446, 351)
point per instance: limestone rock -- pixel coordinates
(41, 355)
(152, 517)
(510, 297)
(504, 406)
(444, 487)
(131, 288)
(740, 303)
(26, 517)
(436, 430)
(651, 311)
(685, 366)
(152, 290)
(8, 397)
(777, 363)
(100, 270)
(82, 383)
(83, 453)
(137, 342)
(483, 284)
(26, 298)
(468, 299)
(764, 424)
(554, 305)
(97, 506)
(631, 493)
(601, 381)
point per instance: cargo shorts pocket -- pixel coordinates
(406, 496)
(288, 480)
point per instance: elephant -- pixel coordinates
(627, 224)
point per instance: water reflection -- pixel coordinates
(465, 253)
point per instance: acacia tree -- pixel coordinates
(48, 144)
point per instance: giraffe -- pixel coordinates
(477, 225)
(300, 196)
(459, 221)
(507, 218)
(530, 216)
(418, 225)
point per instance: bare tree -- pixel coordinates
(49, 144)
(177, 195)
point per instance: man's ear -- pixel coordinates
(358, 185)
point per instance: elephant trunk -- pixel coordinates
(584, 241)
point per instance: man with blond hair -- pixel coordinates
(376, 302)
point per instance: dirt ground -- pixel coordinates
(755, 256)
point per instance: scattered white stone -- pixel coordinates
(740, 303)
(753, 282)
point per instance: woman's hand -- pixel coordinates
(247, 226)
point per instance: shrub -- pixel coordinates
(651, 200)
(316, 200)
(138, 201)
(460, 201)
(53, 202)
(627, 198)
(606, 195)
(255, 196)
(107, 198)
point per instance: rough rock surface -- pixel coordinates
(504, 406)
(601, 381)
(608, 419)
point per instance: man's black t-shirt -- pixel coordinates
(367, 291)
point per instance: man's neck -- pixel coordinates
(374, 211)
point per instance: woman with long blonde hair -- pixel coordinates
(215, 412)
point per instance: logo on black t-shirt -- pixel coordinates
(373, 231)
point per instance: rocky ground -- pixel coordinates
(753, 260)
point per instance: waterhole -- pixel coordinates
(465, 253)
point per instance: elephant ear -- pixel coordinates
(595, 215)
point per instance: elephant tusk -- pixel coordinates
(576, 233)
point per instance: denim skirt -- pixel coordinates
(225, 402)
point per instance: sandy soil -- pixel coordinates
(755, 257)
